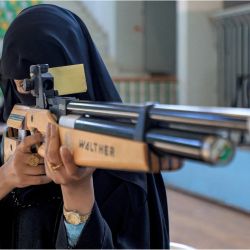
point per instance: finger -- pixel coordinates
(28, 141)
(54, 171)
(177, 163)
(47, 138)
(39, 170)
(39, 180)
(68, 161)
(57, 176)
(171, 163)
(48, 168)
(53, 155)
(48, 133)
(50, 173)
(54, 131)
(71, 168)
(47, 171)
(26, 158)
(42, 150)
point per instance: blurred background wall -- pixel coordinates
(197, 55)
(174, 52)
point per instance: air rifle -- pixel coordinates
(123, 136)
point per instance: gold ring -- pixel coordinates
(53, 166)
(34, 160)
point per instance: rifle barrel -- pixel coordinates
(226, 118)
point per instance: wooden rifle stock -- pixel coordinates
(89, 149)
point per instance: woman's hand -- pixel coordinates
(76, 182)
(171, 163)
(17, 173)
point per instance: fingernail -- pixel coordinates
(48, 131)
(53, 128)
(66, 151)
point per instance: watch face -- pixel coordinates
(73, 218)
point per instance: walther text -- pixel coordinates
(95, 147)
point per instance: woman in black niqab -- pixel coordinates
(130, 210)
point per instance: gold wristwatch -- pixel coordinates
(73, 217)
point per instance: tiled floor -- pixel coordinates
(202, 224)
